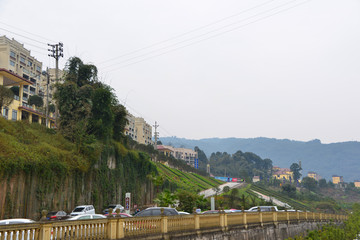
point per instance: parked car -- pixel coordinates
(16, 221)
(84, 209)
(156, 211)
(15, 235)
(59, 215)
(114, 207)
(183, 213)
(87, 216)
(211, 211)
(263, 209)
(123, 215)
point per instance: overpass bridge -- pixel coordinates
(258, 225)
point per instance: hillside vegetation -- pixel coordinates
(325, 159)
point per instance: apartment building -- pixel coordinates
(282, 173)
(18, 68)
(17, 59)
(314, 175)
(144, 131)
(43, 86)
(138, 130)
(185, 154)
(130, 127)
(337, 179)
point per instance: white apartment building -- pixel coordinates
(185, 154)
(17, 59)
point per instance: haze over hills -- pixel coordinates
(341, 158)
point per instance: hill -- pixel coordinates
(40, 169)
(325, 159)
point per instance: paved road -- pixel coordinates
(210, 192)
(274, 200)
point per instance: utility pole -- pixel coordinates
(56, 52)
(47, 96)
(156, 134)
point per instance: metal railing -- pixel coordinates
(117, 228)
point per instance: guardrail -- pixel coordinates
(118, 228)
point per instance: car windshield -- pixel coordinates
(112, 206)
(79, 209)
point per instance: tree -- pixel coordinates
(188, 200)
(322, 183)
(15, 90)
(309, 183)
(289, 190)
(226, 189)
(295, 168)
(6, 96)
(165, 199)
(36, 100)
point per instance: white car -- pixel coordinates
(87, 216)
(25, 233)
(84, 209)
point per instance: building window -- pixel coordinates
(12, 54)
(14, 115)
(6, 112)
(29, 63)
(38, 69)
(22, 59)
(12, 63)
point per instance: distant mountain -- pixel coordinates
(326, 159)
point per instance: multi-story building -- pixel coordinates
(185, 154)
(144, 131)
(282, 173)
(314, 175)
(17, 59)
(16, 110)
(357, 183)
(42, 88)
(130, 127)
(139, 130)
(19, 68)
(337, 179)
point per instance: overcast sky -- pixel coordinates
(212, 68)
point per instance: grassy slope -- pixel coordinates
(188, 181)
(26, 146)
(29, 147)
(294, 203)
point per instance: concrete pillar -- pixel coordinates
(164, 224)
(197, 221)
(45, 231)
(120, 229)
(111, 228)
(245, 220)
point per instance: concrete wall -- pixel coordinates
(268, 232)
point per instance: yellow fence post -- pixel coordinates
(197, 221)
(45, 231)
(245, 220)
(164, 224)
(120, 229)
(111, 228)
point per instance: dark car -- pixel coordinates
(156, 211)
(211, 212)
(123, 215)
(59, 215)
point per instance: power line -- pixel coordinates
(201, 35)
(186, 33)
(27, 32)
(23, 36)
(204, 39)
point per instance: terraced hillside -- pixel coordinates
(293, 203)
(185, 180)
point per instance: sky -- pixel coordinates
(212, 68)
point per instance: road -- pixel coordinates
(210, 192)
